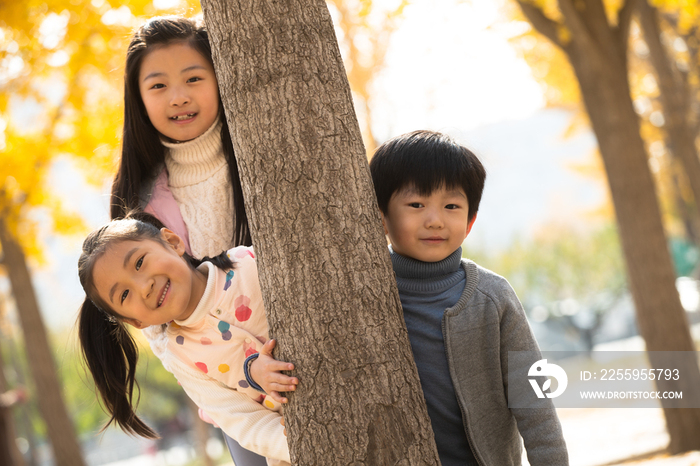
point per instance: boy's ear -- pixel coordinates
(134, 323)
(386, 232)
(470, 225)
(173, 240)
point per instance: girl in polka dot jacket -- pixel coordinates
(212, 315)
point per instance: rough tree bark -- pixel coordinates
(598, 54)
(47, 388)
(324, 267)
(675, 99)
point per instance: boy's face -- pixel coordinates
(427, 228)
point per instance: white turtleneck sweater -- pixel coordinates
(198, 177)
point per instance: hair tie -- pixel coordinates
(110, 318)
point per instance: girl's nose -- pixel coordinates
(147, 288)
(179, 98)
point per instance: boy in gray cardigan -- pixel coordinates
(462, 319)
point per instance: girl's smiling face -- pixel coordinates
(148, 282)
(179, 90)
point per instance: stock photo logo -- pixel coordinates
(543, 369)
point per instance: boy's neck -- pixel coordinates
(423, 262)
(408, 267)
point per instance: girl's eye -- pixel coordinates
(139, 263)
(158, 86)
(124, 295)
(194, 79)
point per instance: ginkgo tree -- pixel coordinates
(594, 37)
(364, 29)
(664, 74)
(60, 82)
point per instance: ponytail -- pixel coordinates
(110, 353)
(108, 348)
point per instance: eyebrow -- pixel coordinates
(457, 192)
(157, 74)
(127, 258)
(415, 192)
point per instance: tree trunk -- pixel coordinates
(675, 99)
(66, 449)
(201, 435)
(597, 53)
(25, 427)
(685, 209)
(9, 453)
(324, 267)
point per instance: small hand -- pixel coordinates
(265, 371)
(285, 429)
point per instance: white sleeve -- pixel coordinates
(252, 425)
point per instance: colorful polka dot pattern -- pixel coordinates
(202, 367)
(242, 252)
(224, 329)
(243, 312)
(229, 276)
(206, 345)
(249, 348)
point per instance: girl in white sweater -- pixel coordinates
(177, 163)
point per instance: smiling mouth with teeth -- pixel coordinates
(162, 297)
(183, 117)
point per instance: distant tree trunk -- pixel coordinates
(598, 55)
(686, 209)
(201, 435)
(24, 427)
(324, 267)
(9, 453)
(675, 98)
(60, 430)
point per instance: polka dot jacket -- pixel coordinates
(228, 325)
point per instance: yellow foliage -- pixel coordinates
(548, 63)
(551, 69)
(365, 28)
(61, 67)
(688, 12)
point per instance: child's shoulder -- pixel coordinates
(487, 281)
(241, 253)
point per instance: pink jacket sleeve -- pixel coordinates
(164, 206)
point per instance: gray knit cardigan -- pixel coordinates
(486, 323)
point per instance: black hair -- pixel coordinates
(142, 151)
(426, 161)
(107, 346)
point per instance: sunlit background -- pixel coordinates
(474, 69)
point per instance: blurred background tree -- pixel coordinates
(594, 37)
(364, 29)
(61, 87)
